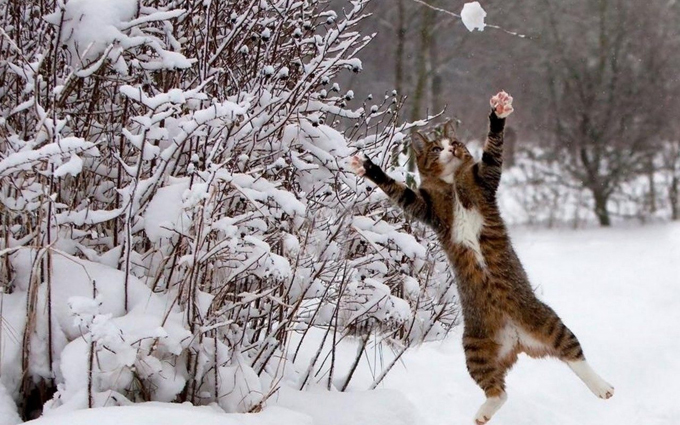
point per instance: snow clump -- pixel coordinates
(473, 16)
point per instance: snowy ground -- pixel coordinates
(171, 414)
(617, 289)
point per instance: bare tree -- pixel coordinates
(595, 81)
(606, 97)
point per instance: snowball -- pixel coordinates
(473, 16)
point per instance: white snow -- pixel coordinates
(240, 387)
(286, 407)
(73, 167)
(617, 289)
(8, 410)
(163, 217)
(25, 159)
(473, 16)
(380, 407)
(384, 233)
(91, 25)
(171, 414)
(122, 341)
(283, 72)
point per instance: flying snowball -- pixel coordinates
(473, 16)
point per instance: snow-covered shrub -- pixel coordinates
(174, 202)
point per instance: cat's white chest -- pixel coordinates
(467, 226)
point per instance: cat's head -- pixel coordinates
(441, 157)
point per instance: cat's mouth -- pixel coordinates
(449, 165)
(450, 158)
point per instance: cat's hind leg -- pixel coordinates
(481, 358)
(490, 407)
(595, 383)
(567, 348)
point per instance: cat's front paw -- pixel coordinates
(356, 164)
(502, 104)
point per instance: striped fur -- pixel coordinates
(502, 315)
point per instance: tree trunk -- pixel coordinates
(652, 186)
(434, 77)
(421, 78)
(399, 69)
(601, 207)
(673, 196)
(421, 65)
(401, 40)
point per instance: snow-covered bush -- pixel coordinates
(174, 202)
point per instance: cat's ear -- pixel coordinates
(450, 130)
(418, 141)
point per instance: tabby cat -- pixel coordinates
(502, 315)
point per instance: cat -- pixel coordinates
(501, 314)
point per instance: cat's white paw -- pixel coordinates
(482, 420)
(595, 383)
(489, 408)
(356, 164)
(502, 104)
(603, 390)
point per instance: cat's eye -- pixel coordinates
(436, 149)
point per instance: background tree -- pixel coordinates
(594, 83)
(607, 90)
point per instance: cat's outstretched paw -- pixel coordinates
(603, 390)
(356, 164)
(502, 104)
